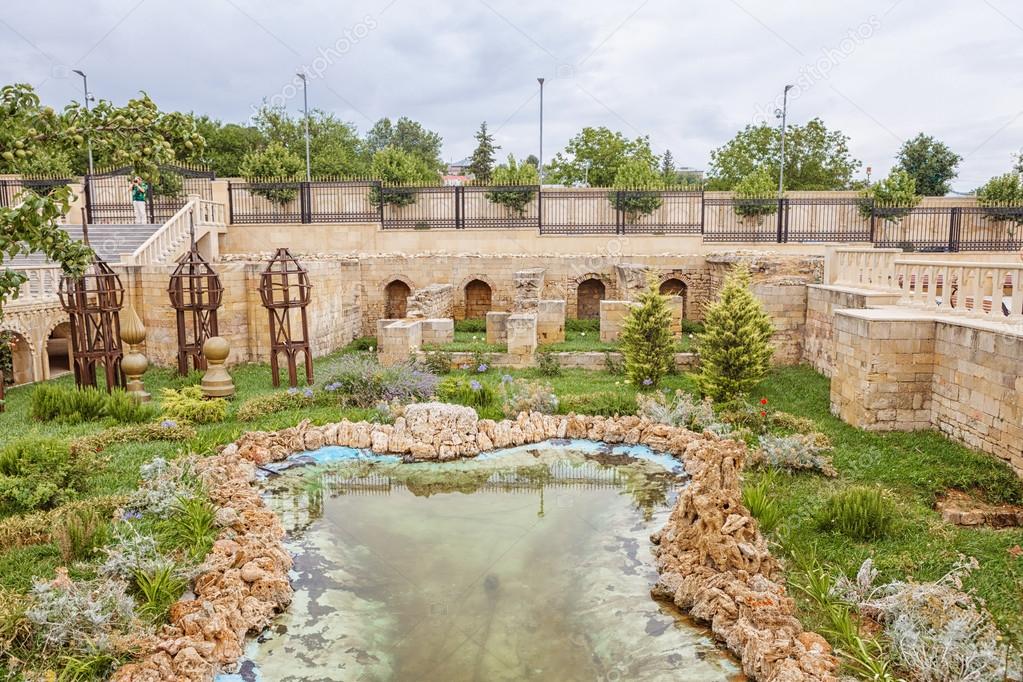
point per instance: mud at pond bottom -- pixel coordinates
(497, 585)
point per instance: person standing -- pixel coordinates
(138, 199)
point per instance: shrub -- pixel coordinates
(163, 484)
(37, 527)
(613, 363)
(276, 163)
(859, 512)
(471, 326)
(1002, 197)
(135, 433)
(39, 473)
(80, 616)
(66, 404)
(637, 183)
(735, 350)
(601, 403)
(935, 629)
(517, 185)
(756, 195)
(193, 378)
(519, 395)
(891, 198)
(79, 533)
(363, 343)
(158, 589)
(188, 405)
(130, 551)
(682, 410)
(796, 453)
(437, 362)
(547, 363)
(126, 409)
(586, 325)
(191, 526)
(473, 393)
(360, 381)
(269, 403)
(646, 341)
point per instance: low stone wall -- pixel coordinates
(821, 303)
(592, 360)
(430, 302)
(785, 302)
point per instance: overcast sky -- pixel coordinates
(688, 74)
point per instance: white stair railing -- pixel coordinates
(172, 238)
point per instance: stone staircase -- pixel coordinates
(109, 241)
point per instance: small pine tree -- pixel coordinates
(646, 340)
(668, 171)
(735, 350)
(482, 164)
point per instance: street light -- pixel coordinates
(85, 88)
(305, 104)
(783, 113)
(540, 81)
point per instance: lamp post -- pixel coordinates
(783, 112)
(305, 106)
(540, 81)
(85, 88)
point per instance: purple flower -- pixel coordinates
(131, 515)
(648, 382)
(507, 379)
(168, 423)
(292, 391)
(475, 385)
(330, 388)
(482, 368)
(308, 393)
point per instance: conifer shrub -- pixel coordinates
(646, 341)
(735, 350)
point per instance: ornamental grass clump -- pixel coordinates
(680, 410)
(646, 341)
(519, 395)
(796, 453)
(735, 350)
(860, 512)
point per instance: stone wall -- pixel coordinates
(821, 303)
(430, 302)
(785, 302)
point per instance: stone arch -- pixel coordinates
(479, 298)
(58, 349)
(22, 356)
(396, 295)
(676, 286)
(589, 293)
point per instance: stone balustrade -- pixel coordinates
(41, 287)
(173, 238)
(991, 291)
(861, 267)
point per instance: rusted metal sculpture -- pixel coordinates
(195, 293)
(285, 289)
(93, 304)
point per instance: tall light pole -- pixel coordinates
(85, 88)
(305, 106)
(540, 81)
(783, 113)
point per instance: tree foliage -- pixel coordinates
(227, 144)
(482, 165)
(394, 166)
(637, 183)
(646, 341)
(512, 174)
(892, 197)
(999, 195)
(815, 158)
(273, 162)
(930, 163)
(756, 194)
(596, 154)
(735, 349)
(408, 136)
(334, 145)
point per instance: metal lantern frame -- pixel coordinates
(196, 293)
(93, 303)
(285, 289)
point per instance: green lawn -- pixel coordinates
(915, 466)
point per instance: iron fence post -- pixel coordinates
(703, 212)
(955, 215)
(781, 207)
(459, 208)
(88, 197)
(304, 208)
(230, 202)
(873, 221)
(539, 208)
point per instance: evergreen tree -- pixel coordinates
(646, 342)
(482, 165)
(668, 171)
(735, 349)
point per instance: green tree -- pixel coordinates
(407, 135)
(891, 198)
(137, 134)
(334, 145)
(735, 349)
(637, 183)
(756, 194)
(669, 174)
(646, 341)
(1002, 199)
(273, 162)
(595, 155)
(227, 144)
(532, 161)
(815, 158)
(930, 163)
(482, 165)
(512, 174)
(398, 167)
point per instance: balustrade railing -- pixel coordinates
(41, 286)
(976, 289)
(173, 236)
(861, 267)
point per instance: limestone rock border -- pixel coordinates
(714, 563)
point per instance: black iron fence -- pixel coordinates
(108, 194)
(573, 211)
(10, 188)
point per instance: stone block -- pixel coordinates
(612, 316)
(528, 289)
(497, 327)
(438, 331)
(522, 334)
(400, 339)
(550, 321)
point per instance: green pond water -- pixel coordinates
(531, 564)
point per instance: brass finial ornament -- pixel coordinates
(134, 363)
(216, 383)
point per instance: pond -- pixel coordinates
(531, 563)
